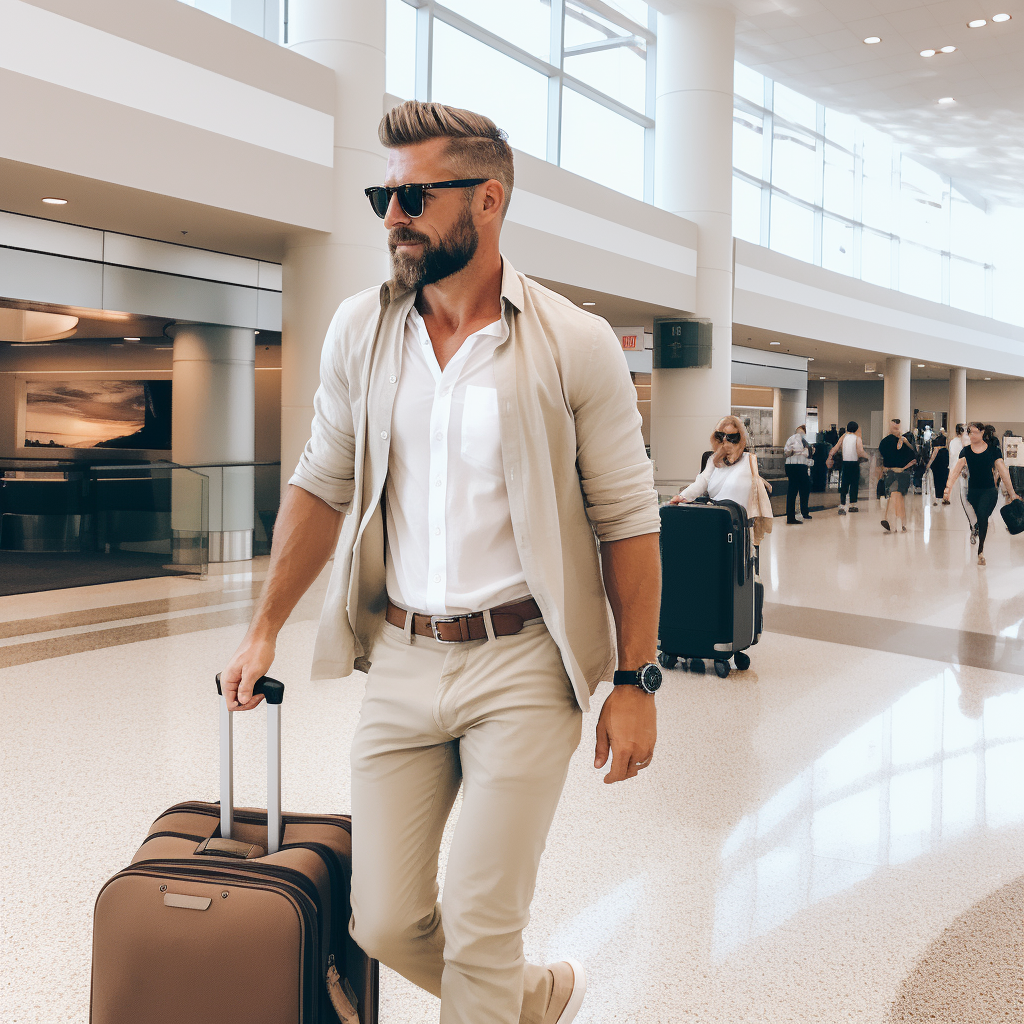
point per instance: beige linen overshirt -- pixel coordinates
(575, 466)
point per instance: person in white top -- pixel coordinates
(852, 448)
(958, 484)
(729, 473)
(798, 459)
(496, 424)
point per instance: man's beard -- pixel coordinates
(434, 262)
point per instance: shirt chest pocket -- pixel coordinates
(481, 432)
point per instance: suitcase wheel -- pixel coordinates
(742, 661)
(667, 660)
(722, 668)
(697, 665)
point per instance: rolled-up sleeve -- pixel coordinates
(616, 475)
(327, 465)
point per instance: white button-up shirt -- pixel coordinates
(450, 545)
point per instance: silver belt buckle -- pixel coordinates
(435, 619)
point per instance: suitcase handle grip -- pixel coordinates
(273, 692)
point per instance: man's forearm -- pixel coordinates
(305, 534)
(632, 580)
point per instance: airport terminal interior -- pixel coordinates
(823, 199)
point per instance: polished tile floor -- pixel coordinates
(835, 835)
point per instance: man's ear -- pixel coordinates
(493, 197)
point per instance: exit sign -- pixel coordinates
(630, 338)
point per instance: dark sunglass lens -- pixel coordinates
(411, 198)
(733, 438)
(378, 201)
(719, 436)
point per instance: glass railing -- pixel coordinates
(66, 523)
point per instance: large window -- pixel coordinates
(821, 186)
(570, 81)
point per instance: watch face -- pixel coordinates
(650, 678)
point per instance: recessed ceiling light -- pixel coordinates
(921, 365)
(1000, 17)
(133, 339)
(988, 378)
(810, 359)
(927, 53)
(949, 49)
(871, 40)
(821, 378)
(775, 343)
(53, 201)
(589, 303)
(977, 23)
(947, 100)
(881, 375)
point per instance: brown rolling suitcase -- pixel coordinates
(217, 921)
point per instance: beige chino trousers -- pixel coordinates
(498, 717)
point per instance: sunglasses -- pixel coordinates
(410, 197)
(721, 435)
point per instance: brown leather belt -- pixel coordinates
(456, 629)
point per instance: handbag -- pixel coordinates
(763, 518)
(1013, 515)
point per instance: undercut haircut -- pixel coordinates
(477, 147)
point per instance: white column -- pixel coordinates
(957, 399)
(693, 178)
(896, 393)
(789, 411)
(829, 412)
(320, 270)
(213, 420)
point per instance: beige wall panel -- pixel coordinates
(179, 30)
(268, 415)
(182, 298)
(68, 131)
(268, 311)
(538, 254)
(37, 277)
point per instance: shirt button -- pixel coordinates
(384, 435)
(437, 579)
(437, 531)
(439, 435)
(392, 378)
(437, 482)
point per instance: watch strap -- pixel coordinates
(631, 678)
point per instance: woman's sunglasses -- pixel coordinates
(410, 197)
(721, 435)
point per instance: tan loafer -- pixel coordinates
(567, 993)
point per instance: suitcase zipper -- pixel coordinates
(295, 887)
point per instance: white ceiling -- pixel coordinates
(817, 48)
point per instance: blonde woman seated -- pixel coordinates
(731, 475)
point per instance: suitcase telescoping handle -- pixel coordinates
(273, 693)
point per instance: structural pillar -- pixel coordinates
(789, 411)
(957, 399)
(896, 394)
(693, 178)
(322, 269)
(213, 420)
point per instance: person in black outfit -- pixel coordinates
(939, 465)
(898, 456)
(983, 458)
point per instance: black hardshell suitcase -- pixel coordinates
(710, 601)
(217, 921)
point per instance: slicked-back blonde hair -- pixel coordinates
(477, 147)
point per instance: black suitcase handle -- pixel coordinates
(273, 693)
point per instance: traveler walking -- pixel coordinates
(732, 475)
(984, 459)
(852, 448)
(898, 458)
(939, 465)
(798, 459)
(475, 440)
(959, 481)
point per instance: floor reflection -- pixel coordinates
(924, 772)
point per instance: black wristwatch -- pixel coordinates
(647, 677)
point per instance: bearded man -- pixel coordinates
(477, 446)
